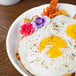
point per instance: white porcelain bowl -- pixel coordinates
(14, 35)
(8, 2)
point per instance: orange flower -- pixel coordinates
(51, 10)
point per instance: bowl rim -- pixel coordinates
(8, 34)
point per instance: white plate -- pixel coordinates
(14, 35)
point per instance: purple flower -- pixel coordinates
(40, 21)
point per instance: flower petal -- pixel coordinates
(27, 29)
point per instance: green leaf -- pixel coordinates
(73, 54)
(66, 65)
(56, 25)
(32, 61)
(63, 23)
(37, 60)
(46, 67)
(74, 45)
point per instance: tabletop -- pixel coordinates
(7, 15)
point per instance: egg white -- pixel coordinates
(38, 63)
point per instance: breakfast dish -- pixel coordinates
(48, 42)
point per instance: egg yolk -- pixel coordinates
(56, 43)
(71, 31)
(63, 12)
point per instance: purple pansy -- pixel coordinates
(40, 21)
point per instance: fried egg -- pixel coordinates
(51, 50)
(71, 31)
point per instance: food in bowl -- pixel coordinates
(48, 43)
(74, 16)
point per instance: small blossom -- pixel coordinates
(27, 29)
(40, 21)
